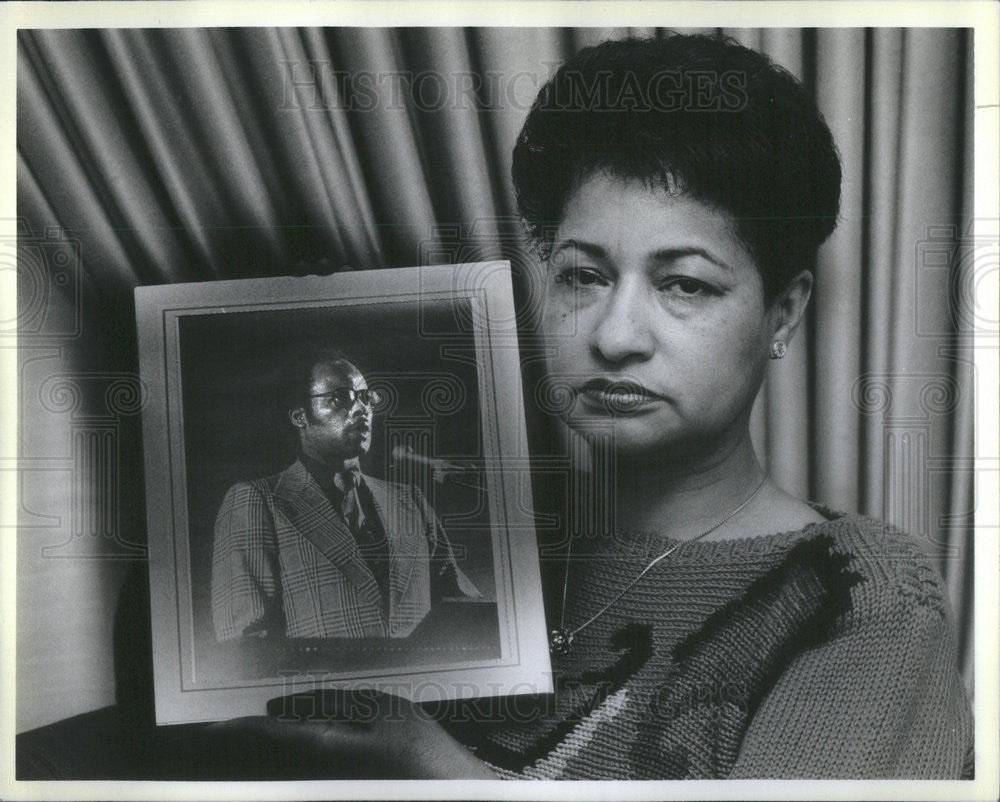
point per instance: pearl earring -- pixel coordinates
(778, 349)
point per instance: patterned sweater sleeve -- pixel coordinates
(880, 695)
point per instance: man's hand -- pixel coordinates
(338, 734)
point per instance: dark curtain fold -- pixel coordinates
(155, 156)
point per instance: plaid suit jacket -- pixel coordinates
(285, 563)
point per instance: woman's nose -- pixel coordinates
(622, 329)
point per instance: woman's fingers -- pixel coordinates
(346, 733)
(364, 706)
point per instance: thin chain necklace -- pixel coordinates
(561, 639)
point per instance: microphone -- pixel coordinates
(441, 470)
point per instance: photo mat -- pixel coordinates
(437, 347)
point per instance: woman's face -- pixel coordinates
(654, 319)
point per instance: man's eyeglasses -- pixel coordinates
(344, 397)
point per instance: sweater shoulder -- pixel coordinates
(891, 565)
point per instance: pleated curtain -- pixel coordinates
(199, 154)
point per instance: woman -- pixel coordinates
(678, 190)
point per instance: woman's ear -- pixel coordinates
(789, 306)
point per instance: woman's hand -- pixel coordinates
(340, 734)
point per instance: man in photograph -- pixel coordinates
(320, 550)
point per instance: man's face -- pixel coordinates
(333, 429)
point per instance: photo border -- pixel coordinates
(523, 666)
(983, 16)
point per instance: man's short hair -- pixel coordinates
(696, 115)
(295, 376)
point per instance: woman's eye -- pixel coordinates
(685, 286)
(580, 277)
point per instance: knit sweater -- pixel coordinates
(820, 653)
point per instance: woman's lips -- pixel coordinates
(617, 397)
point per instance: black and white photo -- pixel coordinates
(540, 391)
(328, 513)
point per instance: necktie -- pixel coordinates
(367, 530)
(347, 484)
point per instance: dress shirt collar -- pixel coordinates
(330, 480)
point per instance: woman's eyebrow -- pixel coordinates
(672, 254)
(589, 248)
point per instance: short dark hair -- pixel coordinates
(698, 115)
(294, 377)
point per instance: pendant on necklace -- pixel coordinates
(559, 641)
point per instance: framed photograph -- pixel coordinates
(338, 491)
(754, 251)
